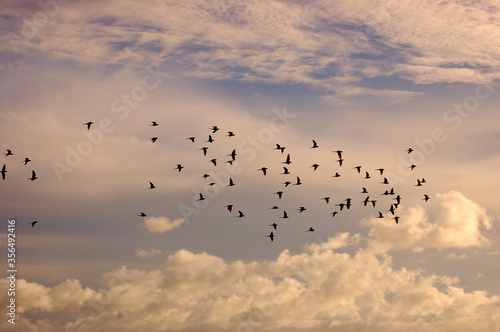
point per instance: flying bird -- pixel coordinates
(336, 175)
(341, 205)
(33, 223)
(285, 215)
(210, 139)
(154, 123)
(211, 184)
(315, 166)
(279, 147)
(365, 202)
(271, 236)
(201, 197)
(396, 218)
(419, 184)
(385, 181)
(153, 139)
(374, 201)
(381, 170)
(358, 168)
(205, 149)
(88, 124)
(191, 138)
(367, 176)
(9, 153)
(231, 182)
(233, 154)
(339, 153)
(274, 225)
(213, 161)
(33, 176)
(287, 161)
(380, 215)
(287, 183)
(285, 170)
(412, 167)
(264, 170)
(426, 197)
(279, 193)
(409, 150)
(310, 229)
(26, 160)
(423, 180)
(179, 167)
(334, 213)
(4, 170)
(327, 199)
(398, 199)
(151, 185)
(214, 129)
(229, 207)
(364, 191)
(230, 162)
(298, 182)
(315, 145)
(142, 214)
(301, 209)
(274, 208)
(340, 162)
(204, 175)
(240, 214)
(392, 209)
(230, 134)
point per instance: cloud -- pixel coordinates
(459, 225)
(319, 287)
(161, 224)
(147, 253)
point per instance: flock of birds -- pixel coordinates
(345, 204)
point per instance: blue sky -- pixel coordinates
(371, 78)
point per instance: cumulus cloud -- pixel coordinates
(459, 225)
(147, 253)
(317, 288)
(161, 224)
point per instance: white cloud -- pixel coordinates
(147, 253)
(317, 288)
(161, 224)
(459, 225)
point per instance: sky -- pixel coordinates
(369, 78)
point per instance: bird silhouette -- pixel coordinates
(279, 193)
(154, 123)
(274, 208)
(364, 191)
(151, 185)
(233, 154)
(192, 138)
(205, 149)
(419, 184)
(230, 134)
(33, 176)
(380, 215)
(310, 229)
(214, 129)
(426, 197)
(229, 207)
(26, 160)
(298, 182)
(374, 201)
(398, 199)
(423, 180)
(385, 181)
(315, 166)
(211, 184)
(88, 124)
(274, 225)
(154, 139)
(301, 209)
(341, 205)
(327, 199)
(210, 139)
(396, 218)
(231, 182)
(179, 167)
(287, 161)
(264, 170)
(142, 214)
(381, 170)
(213, 161)
(285, 170)
(392, 209)
(240, 214)
(367, 176)
(230, 162)
(412, 167)
(204, 175)
(358, 168)
(33, 223)
(285, 215)
(9, 153)
(201, 197)
(391, 192)
(366, 200)
(287, 183)
(334, 213)
(315, 145)
(340, 162)
(279, 147)
(336, 175)
(271, 236)
(4, 170)
(409, 150)
(339, 153)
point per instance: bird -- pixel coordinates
(233, 154)
(229, 207)
(336, 175)
(409, 150)
(9, 153)
(26, 160)
(153, 139)
(301, 209)
(4, 170)
(412, 167)
(279, 147)
(192, 138)
(398, 199)
(298, 182)
(381, 170)
(154, 123)
(33, 176)
(88, 124)
(279, 193)
(392, 209)
(213, 161)
(264, 170)
(179, 167)
(364, 191)
(271, 236)
(201, 197)
(285, 215)
(33, 223)
(334, 213)
(274, 225)
(419, 184)
(287, 183)
(231, 182)
(327, 199)
(315, 145)
(210, 139)
(423, 180)
(285, 170)
(339, 153)
(380, 215)
(240, 214)
(315, 166)
(374, 201)
(151, 185)
(367, 176)
(214, 129)
(385, 192)
(211, 184)
(367, 199)
(230, 162)
(274, 207)
(358, 168)
(348, 203)
(204, 175)
(340, 162)
(287, 161)
(205, 149)
(341, 205)
(385, 181)
(310, 229)
(391, 192)
(396, 218)
(142, 214)
(230, 134)
(426, 197)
